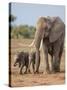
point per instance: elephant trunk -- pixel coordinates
(38, 37)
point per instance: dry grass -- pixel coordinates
(18, 45)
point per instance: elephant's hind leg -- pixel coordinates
(45, 49)
(21, 69)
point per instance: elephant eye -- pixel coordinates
(46, 29)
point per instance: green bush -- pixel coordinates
(22, 31)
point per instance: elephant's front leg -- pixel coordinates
(37, 61)
(52, 65)
(21, 69)
(45, 49)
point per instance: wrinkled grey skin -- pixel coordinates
(23, 60)
(52, 31)
(32, 58)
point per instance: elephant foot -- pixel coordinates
(25, 72)
(47, 72)
(56, 70)
(37, 72)
(53, 72)
(20, 73)
(29, 72)
(33, 73)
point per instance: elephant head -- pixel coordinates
(52, 27)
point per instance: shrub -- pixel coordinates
(22, 31)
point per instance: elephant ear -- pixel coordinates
(57, 29)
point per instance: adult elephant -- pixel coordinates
(52, 31)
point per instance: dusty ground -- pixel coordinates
(31, 79)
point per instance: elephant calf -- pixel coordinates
(25, 59)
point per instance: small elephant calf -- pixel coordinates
(25, 59)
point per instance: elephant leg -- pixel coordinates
(60, 57)
(56, 63)
(52, 63)
(26, 70)
(59, 61)
(45, 49)
(37, 61)
(58, 48)
(47, 64)
(52, 68)
(21, 69)
(33, 67)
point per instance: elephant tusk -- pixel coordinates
(41, 45)
(32, 44)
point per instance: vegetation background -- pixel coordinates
(20, 31)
